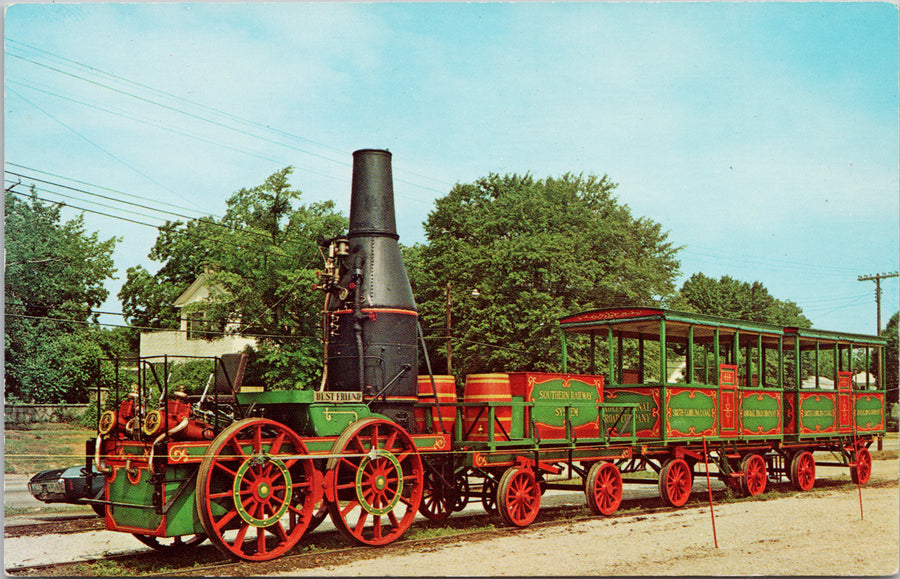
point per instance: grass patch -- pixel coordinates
(417, 532)
(48, 509)
(36, 447)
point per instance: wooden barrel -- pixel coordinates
(446, 392)
(487, 388)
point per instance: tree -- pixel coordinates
(261, 259)
(520, 253)
(731, 298)
(53, 280)
(891, 380)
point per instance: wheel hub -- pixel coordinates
(253, 489)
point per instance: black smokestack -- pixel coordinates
(374, 346)
(372, 194)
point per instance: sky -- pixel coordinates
(762, 136)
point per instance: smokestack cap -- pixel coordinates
(372, 195)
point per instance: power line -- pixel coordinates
(210, 120)
(226, 114)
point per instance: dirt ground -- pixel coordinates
(815, 533)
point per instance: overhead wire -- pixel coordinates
(213, 121)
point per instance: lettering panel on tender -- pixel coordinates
(691, 412)
(761, 414)
(869, 408)
(558, 398)
(817, 412)
(647, 423)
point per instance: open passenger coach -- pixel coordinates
(376, 442)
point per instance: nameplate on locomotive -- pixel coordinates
(338, 397)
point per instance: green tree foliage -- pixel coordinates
(740, 300)
(892, 364)
(54, 279)
(534, 250)
(261, 258)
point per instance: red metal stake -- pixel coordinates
(855, 463)
(709, 489)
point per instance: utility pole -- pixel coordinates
(449, 334)
(877, 277)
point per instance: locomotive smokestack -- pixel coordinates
(372, 312)
(372, 194)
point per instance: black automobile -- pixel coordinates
(67, 485)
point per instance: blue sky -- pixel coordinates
(762, 136)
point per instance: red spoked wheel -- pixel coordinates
(675, 482)
(604, 488)
(518, 496)
(256, 494)
(753, 481)
(437, 498)
(861, 466)
(803, 471)
(376, 483)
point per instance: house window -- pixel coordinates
(199, 328)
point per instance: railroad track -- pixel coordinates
(329, 548)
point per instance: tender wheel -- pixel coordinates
(518, 496)
(437, 499)
(753, 481)
(252, 479)
(675, 482)
(170, 544)
(489, 495)
(461, 485)
(862, 471)
(604, 488)
(376, 483)
(803, 471)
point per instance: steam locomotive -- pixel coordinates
(376, 443)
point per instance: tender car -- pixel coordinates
(67, 485)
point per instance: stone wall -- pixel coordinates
(14, 414)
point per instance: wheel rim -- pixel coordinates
(754, 478)
(803, 471)
(604, 489)
(255, 496)
(675, 482)
(863, 469)
(518, 497)
(377, 482)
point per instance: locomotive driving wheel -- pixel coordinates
(518, 496)
(803, 470)
(675, 482)
(256, 494)
(861, 469)
(753, 481)
(603, 488)
(375, 482)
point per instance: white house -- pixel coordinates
(193, 338)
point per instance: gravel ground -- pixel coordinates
(816, 533)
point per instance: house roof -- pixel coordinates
(197, 291)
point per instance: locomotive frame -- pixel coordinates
(375, 444)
